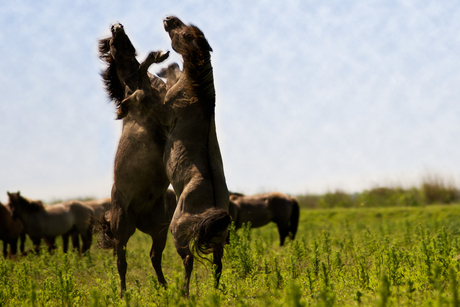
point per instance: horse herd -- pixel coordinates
(168, 137)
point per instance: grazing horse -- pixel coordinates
(192, 155)
(139, 197)
(10, 231)
(48, 222)
(99, 206)
(265, 208)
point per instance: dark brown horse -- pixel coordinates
(192, 156)
(10, 232)
(140, 181)
(48, 222)
(262, 209)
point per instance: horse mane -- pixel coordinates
(109, 76)
(27, 204)
(112, 82)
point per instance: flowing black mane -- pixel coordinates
(112, 48)
(109, 76)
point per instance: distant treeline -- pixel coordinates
(433, 190)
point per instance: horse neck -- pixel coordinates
(128, 74)
(29, 220)
(201, 80)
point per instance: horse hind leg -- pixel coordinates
(22, 240)
(87, 239)
(187, 261)
(283, 230)
(122, 231)
(5, 249)
(74, 235)
(217, 254)
(13, 248)
(156, 252)
(122, 264)
(50, 242)
(65, 242)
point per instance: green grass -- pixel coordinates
(400, 256)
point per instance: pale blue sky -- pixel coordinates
(311, 96)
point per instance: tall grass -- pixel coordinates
(398, 256)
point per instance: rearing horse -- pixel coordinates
(140, 181)
(192, 155)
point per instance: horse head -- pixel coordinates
(19, 204)
(119, 54)
(188, 41)
(15, 201)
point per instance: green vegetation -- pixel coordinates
(433, 190)
(392, 256)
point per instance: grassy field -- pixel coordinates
(402, 256)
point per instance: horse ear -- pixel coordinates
(200, 41)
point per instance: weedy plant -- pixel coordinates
(399, 256)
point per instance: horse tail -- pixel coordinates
(294, 220)
(105, 238)
(212, 223)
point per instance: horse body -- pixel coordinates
(99, 206)
(192, 155)
(139, 197)
(48, 222)
(262, 209)
(10, 231)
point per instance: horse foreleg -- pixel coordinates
(122, 265)
(156, 252)
(75, 241)
(5, 249)
(65, 242)
(217, 264)
(22, 240)
(13, 247)
(36, 242)
(50, 242)
(87, 238)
